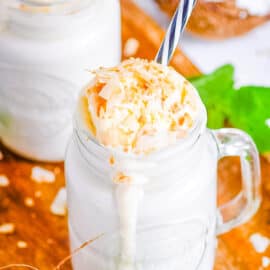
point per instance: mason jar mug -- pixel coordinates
(169, 220)
(63, 39)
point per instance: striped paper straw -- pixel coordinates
(175, 30)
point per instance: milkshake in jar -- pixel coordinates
(50, 41)
(141, 173)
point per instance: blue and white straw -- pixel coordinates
(175, 30)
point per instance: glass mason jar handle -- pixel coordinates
(233, 142)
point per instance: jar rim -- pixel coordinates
(48, 7)
(106, 162)
(91, 144)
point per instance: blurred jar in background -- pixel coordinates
(222, 19)
(60, 38)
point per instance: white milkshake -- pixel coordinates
(141, 171)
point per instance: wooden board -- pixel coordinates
(46, 235)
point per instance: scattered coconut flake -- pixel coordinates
(131, 47)
(259, 242)
(4, 182)
(21, 244)
(265, 261)
(38, 193)
(7, 228)
(29, 202)
(1, 155)
(59, 205)
(41, 175)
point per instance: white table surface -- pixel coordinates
(249, 54)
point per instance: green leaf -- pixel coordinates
(247, 108)
(215, 90)
(250, 111)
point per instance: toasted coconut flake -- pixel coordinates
(4, 181)
(106, 92)
(22, 244)
(121, 178)
(112, 160)
(7, 228)
(59, 205)
(140, 100)
(131, 47)
(41, 175)
(29, 202)
(259, 242)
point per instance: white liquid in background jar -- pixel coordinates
(63, 39)
(141, 173)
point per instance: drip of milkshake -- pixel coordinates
(128, 199)
(136, 109)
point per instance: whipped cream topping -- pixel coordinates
(140, 106)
